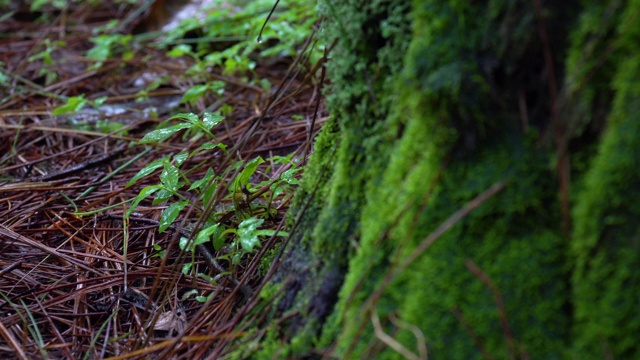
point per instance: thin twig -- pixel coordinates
(502, 312)
(446, 225)
(202, 249)
(81, 166)
(392, 273)
(17, 347)
(5, 231)
(390, 341)
(563, 167)
(421, 342)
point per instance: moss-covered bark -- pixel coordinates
(462, 134)
(348, 158)
(606, 241)
(433, 102)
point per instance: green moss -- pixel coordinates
(415, 135)
(591, 64)
(371, 38)
(606, 240)
(451, 151)
(513, 241)
(318, 173)
(268, 259)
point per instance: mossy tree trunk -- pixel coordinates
(476, 190)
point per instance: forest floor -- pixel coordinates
(80, 276)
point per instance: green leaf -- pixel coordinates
(170, 176)
(163, 134)
(205, 146)
(199, 184)
(160, 251)
(185, 244)
(209, 279)
(186, 268)
(170, 214)
(247, 233)
(73, 105)
(277, 189)
(144, 193)
(189, 117)
(99, 101)
(208, 193)
(247, 172)
(188, 294)
(179, 50)
(210, 145)
(194, 93)
(102, 50)
(151, 167)
(270, 233)
(217, 87)
(218, 241)
(250, 225)
(162, 195)
(205, 234)
(281, 159)
(180, 158)
(37, 4)
(109, 26)
(288, 176)
(210, 120)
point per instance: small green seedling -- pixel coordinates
(245, 236)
